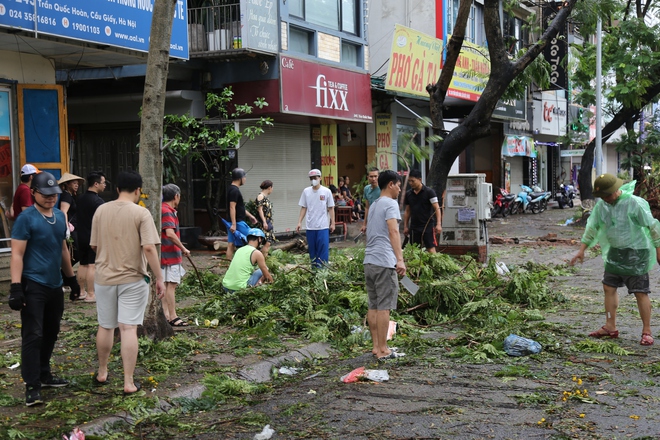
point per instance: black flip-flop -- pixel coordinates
(138, 385)
(392, 355)
(178, 322)
(98, 383)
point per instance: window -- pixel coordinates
(339, 15)
(349, 54)
(515, 32)
(300, 41)
(452, 14)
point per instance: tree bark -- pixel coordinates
(503, 71)
(151, 136)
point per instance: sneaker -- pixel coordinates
(32, 396)
(54, 382)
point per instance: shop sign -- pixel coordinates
(572, 153)
(518, 146)
(261, 30)
(414, 61)
(550, 117)
(120, 23)
(5, 136)
(329, 154)
(384, 157)
(511, 109)
(313, 89)
(471, 72)
(556, 51)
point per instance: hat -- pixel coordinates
(68, 177)
(314, 173)
(46, 184)
(606, 185)
(29, 169)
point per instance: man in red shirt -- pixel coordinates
(171, 251)
(22, 196)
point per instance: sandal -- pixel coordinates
(178, 322)
(647, 339)
(605, 333)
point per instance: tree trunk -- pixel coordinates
(151, 136)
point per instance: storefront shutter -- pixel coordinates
(281, 154)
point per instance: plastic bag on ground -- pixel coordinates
(265, 434)
(361, 373)
(515, 345)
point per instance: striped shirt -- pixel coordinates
(170, 253)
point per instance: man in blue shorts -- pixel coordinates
(317, 206)
(237, 212)
(422, 220)
(629, 239)
(383, 260)
(38, 252)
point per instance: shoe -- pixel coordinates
(54, 382)
(178, 322)
(392, 355)
(647, 339)
(605, 333)
(98, 383)
(138, 385)
(32, 396)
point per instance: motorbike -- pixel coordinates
(532, 200)
(502, 203)
(565, 196)
(544, 202)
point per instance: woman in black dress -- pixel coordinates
(67, 204)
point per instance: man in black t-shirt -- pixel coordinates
(422, 220)
(237, 212)
(86, 208)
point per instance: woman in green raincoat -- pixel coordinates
(629, 238)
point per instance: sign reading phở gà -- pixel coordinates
(329, 154)
(121, 23)
(414, 61)
(550, 115)
(317, 90)
(471, 72)
(518, 146)
(384, 156)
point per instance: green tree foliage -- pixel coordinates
(207, 140)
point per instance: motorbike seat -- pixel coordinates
(509, 197)
(537, 194)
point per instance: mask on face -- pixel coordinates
(314, 182)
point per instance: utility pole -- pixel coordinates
(151, 139)
(599, 98)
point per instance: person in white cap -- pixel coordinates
(318, 206)
(22, 197)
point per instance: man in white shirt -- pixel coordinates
(318, 206)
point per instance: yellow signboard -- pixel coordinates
(384, 157)
(414, 62)
(329, 154)
(471, 72)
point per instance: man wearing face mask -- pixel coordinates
(318, 206)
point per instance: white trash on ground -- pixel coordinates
(265, 434)
(289, 371)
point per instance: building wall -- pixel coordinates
(26, 68)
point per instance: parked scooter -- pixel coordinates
(565, 196)
(544, 202)
(532, 200)
(502, 203)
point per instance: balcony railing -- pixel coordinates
(215, 28)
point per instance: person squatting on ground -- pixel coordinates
(371, 193)
(237, 212)
(265, 210)
(383, 260)
(317, 206)
(627, 232)
(87, 206)
(39, 256)
(241, 272)
(422, 218)
(23, 197)
(171, 251)
(124, 238)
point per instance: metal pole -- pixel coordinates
(599, 98)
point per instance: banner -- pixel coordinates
(518, 146)
(414, 61)
(471, 72)
(329, 154)
(556, 51)
(384, 157)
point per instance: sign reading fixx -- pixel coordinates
(316, 90)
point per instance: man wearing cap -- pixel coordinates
(39, 258)
(22, 196)
(88, 203)
(629, 238)
(241, 272)
(318, 207)
(237, 212)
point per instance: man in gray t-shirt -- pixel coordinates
(383, 260)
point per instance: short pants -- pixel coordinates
(634, 283)
(241, 227)
(123, 303)
(424, 238)
(173, 273)
(382, 287)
